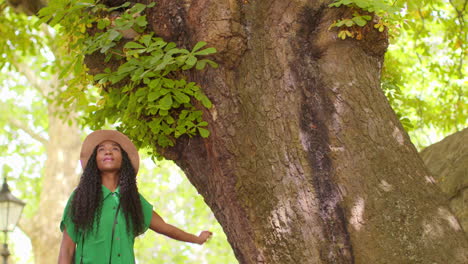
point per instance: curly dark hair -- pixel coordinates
(87, 200)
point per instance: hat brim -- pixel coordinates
(98, 136)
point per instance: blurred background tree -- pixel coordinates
(424, 78)
(41, 148)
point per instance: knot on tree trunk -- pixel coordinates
(29, 7)
(168, 20)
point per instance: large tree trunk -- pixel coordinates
(60, 174)
(306, 161)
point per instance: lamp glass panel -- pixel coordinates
(9, 215)
(4, 216)
(14, 215)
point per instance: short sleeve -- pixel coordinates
(67, 222)
(147, 212)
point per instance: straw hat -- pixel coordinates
(98, 136)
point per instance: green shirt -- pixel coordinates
(97, 246)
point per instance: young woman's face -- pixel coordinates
(109, 156)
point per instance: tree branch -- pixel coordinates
(26, 71)
(29, 131)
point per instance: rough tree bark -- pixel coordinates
(447, 160)
(306, 161)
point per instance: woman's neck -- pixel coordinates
(110, 180)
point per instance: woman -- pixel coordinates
(105, 212)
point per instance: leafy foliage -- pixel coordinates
(425, 68)
(363, 12)
(377, 6)
(161, 109)
(147, 94)
(26, 41)
(20, 44)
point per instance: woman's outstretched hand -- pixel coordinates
(159, 226)
(204, 236)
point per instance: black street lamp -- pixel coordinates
(10, 213)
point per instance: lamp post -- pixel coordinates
(10, 212)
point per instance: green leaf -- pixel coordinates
(169, 120)
(122, 100)
(342, 34)
(340, 23)
(137, 8)
(183, 114)
(133, 45)
(200, 64)
(126, 4)
(113, 35)
(141, 21)
(206, 102)
(212, 64)
(359, 21)
(141, 92)
(191, 60)
(127, 88)
(101, 77)
(155, 125)
(204, 133)
(123, 24)
(349, 23)
(166, 102)
(169, 46)
(103, 23)
(164, 91)
(146, 39)
(169, 83)
(198, 46)
(154, 83)
(154, 95)
(126, 68)
(181, 97)
(206, 51)
(189, 124)
(115, 78)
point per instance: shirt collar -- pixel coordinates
(106, 192)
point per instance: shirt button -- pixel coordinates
(113, 208)
(118, 254)
(118, 238)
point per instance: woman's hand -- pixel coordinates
(204, 236)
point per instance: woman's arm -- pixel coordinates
(158, 225)
(67, 248)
